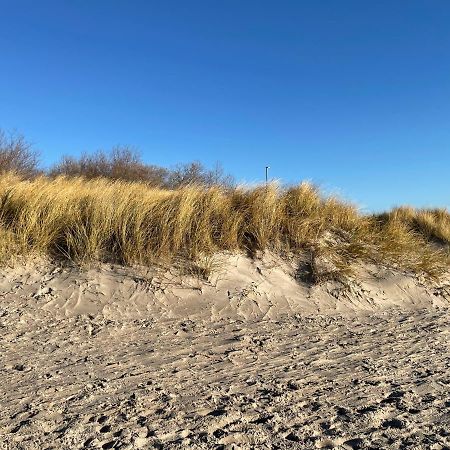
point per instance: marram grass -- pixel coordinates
(129, 222)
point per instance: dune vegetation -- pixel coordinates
(130, 222)
(103, 216)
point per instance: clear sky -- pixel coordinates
(353, 95)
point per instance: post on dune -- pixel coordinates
(267, 175)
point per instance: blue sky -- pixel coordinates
(353, 95)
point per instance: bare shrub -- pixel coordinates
(122, 163)
(195, 173)
(17, 155)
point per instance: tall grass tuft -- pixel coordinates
(131, 222)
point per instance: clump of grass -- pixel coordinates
(414, 239)
(131, 222)
(432, 224)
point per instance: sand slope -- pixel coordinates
(240, 288)
(115, 358)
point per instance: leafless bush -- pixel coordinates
(122, 163)
(17, 155)
(196, 173)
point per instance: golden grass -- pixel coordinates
(433, 224)
(129, 222)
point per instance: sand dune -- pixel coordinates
(110, 357)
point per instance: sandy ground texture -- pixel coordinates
(117, 358)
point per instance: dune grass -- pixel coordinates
(132, 223)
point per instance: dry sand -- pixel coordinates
(126, 358)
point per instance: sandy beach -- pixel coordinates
(225, 225)
(110, 358)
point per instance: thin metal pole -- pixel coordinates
(267, 174)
